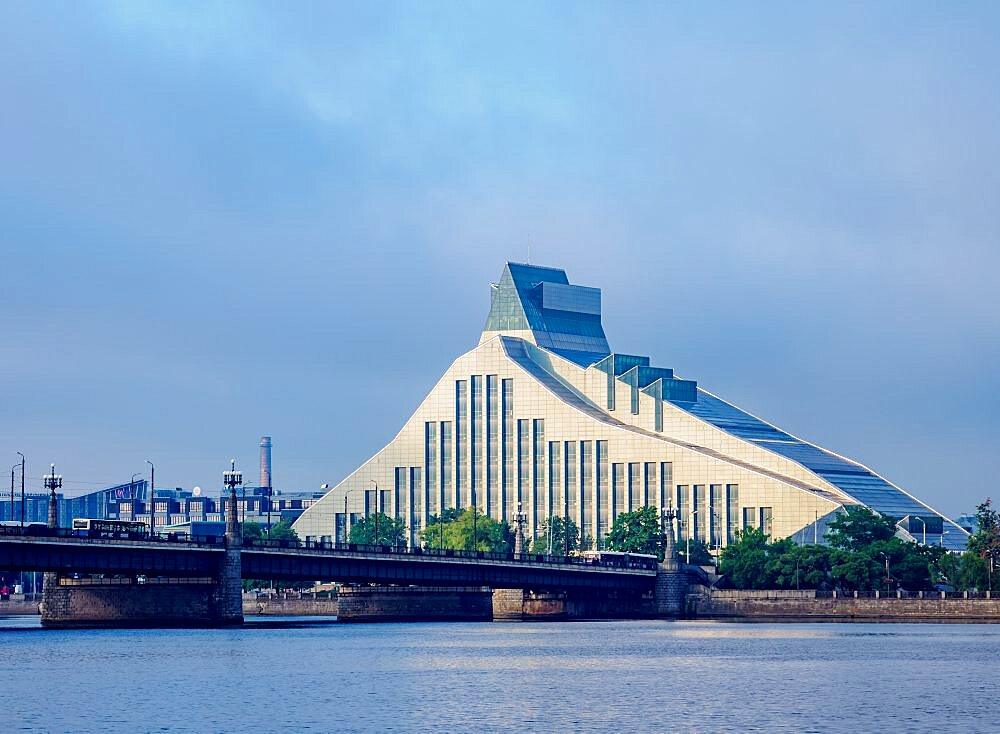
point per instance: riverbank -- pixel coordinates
(776, 606)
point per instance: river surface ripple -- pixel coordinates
(297, 675)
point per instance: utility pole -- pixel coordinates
(12, 492)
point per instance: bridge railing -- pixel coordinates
(40, 531)
(402, 550)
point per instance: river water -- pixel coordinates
(300, 675)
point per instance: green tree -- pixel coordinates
(973, 572)
(637, 532)
(565, 536)
(252, 531)
(985, 543)
(700, 555)
(281, 530)
(855, 571)
(745, 561)
(457, 533)
(799, 567)
(391, 530)
(859, 527)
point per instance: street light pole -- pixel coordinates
(152, 497)
(923, 525)
(12, 491)
(472, 493)
(22, 488)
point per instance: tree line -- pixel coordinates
(861, 551)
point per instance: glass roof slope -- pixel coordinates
(531, 358)
(853, 479)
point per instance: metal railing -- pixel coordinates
(903, 594)
(626, 562)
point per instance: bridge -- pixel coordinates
(168, 578)
(60, 551)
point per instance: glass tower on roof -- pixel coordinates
(543, 414)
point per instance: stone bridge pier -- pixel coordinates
(204, 601)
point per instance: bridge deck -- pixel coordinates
(177, 557)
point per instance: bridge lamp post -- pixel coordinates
(232, 479)
(519, 518)
(53, 482)
(667, 521)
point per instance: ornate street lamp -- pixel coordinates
(53, 482)
(232, 478)
(519, 519)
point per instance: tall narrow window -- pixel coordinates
(446, 464)
(732, 511)
(572, 488)
(749, 517)
(492, 432)
(683, 511)
(417, 516)
(634, 486)
(601, 491)
(539, 501)
(650, 487)
(586, 486)
(555, 479)
(430, 465)
(617, 500)
(765, 520)
(523, 461)
(461, 441)
(509, 478)
(400, 493)
(476, 442)
(666, 482)
(716, 515)
(699, 500)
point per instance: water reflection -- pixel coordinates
(301, 675)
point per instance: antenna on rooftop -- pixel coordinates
(529, 248)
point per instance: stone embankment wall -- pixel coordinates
(703, 603)
(288, 605)
(19, 604)
(413, 603)
(523, 604)
(69, 603)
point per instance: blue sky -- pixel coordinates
(220, 220)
